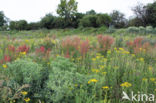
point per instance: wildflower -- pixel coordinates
(150, 68)
(105, 87)
(24, 93)
(26, 99)
(141, 59)
(115, 49)
(53, 41)
(102, 66)
(92, 80)
(121, 49)
(26, 41)
(95, 70)
(152, 79)
(104, 73)
(76, 85)
(108, 52)
(97, 57)
(126, 84)
(144, 79)
(23, 53)
(93, 59)
(4, 66)
(133, 55)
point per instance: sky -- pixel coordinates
(34, 10)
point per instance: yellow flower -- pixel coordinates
(24, 92)
(152, 79)
(144, 79)
(105, 87)
(126, 84)
(95, 70)
(141, 59)
(133, 55)
(26, 41)
(115, 48)
(97, 57)
(108, 52)
(104, 73)
(23, 53)
(121, 49)
(93, 59)
(150, 68)
(26, 99)
(53, 41)
(92, 80)
(4, 66)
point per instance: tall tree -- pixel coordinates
(67, 9)
(2, 19)
(140, 13)
(151, 14)
(118, 19)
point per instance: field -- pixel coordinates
(77, 66)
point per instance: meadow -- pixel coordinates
(77, 66)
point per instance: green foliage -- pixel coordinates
(24, 71)
(133, 30)
(91, 12)
(48, 21)
(2, 19)
(151, 14)
(118, 19)
(18, 25)
(89, 21)
(62, 79)
(103, 20)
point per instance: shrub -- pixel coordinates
(62, 80)
(105, 42)
(142, 30)
(74, 46)
(149, 29)
(133, 30)
(103, 20)
(24, 72)
(89, 21)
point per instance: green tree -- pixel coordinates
(103, 20)
(118, 19)
(2, 19)
(91, 12)
(151, 14)
(67, 9)
(48, 21)
(18, 25)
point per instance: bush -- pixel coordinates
(24, 71)
(142, 30)
(62, 80)
(133, 29)
(103, 20)
(89, 21)
(149, 29)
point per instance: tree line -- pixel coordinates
(69, 17)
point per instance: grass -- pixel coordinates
(76, 66)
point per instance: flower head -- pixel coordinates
(92, 80)
(126, 84)
(24, 93)
(4, 66)
(26, 99)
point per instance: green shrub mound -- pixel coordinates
(62, 79)
(24, 71)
